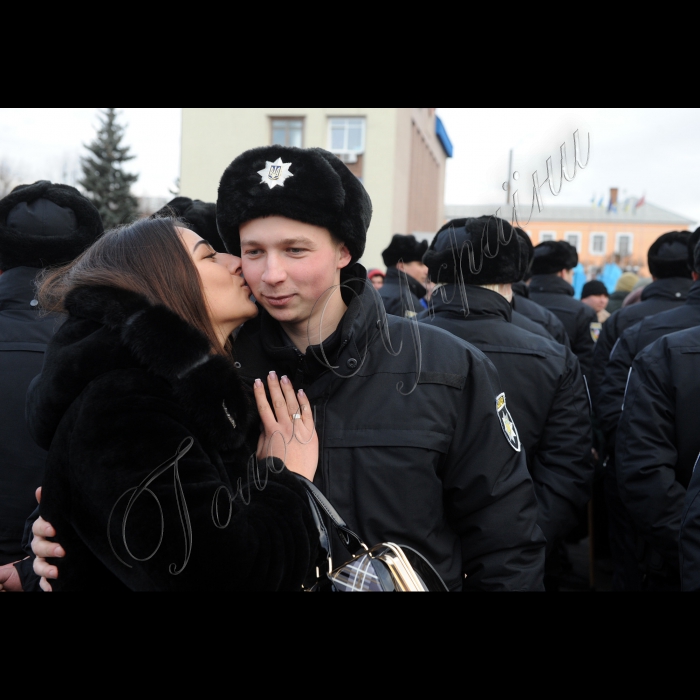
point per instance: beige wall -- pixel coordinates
(212, 138)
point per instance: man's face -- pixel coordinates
(378, 281)
(596, 301)
(289, 265)
(415, 269)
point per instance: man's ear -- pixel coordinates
(345, 257)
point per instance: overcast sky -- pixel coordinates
(652, 152)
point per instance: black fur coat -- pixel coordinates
(147, 482)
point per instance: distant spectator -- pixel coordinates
(403, 295)
(635, 296)
(624, 286)
(595, 294)
(376, 277)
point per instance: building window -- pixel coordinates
(598, 243)
(623, 244)
(287, 132)
(346, 136)
(547, 236)
(574, 238)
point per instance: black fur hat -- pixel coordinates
(305, 184)
(480, 244)
(527, 251)
(405, 248)
(668, 255)
(694, 250)
(201, 216)
(551, 257)
(45, 224)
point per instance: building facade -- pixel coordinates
(399, 153)
(599, 235)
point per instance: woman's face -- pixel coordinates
(226, 294)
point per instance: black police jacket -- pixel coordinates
(412, 447)
(660, 295)
(545, 394)
(557, 295)
(658, 440)
(689, 539)
(400, 292)
(522, 304)
(612, 390)
(24, 334)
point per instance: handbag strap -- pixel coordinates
(320, 504)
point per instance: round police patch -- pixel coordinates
(507, 423)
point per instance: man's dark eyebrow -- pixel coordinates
(285, 242)
(199, 242)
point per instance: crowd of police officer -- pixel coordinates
(601, 409)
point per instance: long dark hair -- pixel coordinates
(146, 257)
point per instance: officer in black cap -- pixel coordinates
(40, 225)
(668, 260)
(550, 286)
(404, 291)
(414, 444)
(524, 306)
(542, 380)
(657, 446)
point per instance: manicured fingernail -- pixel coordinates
(285, 379)
(301, 392)
(258, 383)
(273, 374)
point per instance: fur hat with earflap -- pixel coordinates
(305, 184)
(551, 257)
(201, 217)
(669, 256)
(46, 224)
(486, 249)
(403, 248)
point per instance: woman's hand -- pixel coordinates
(43, 548)
(288, 430)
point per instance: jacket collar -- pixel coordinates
(155, 338)
(392, 278)
(550, 284)
(521, 289)
(17, 288)
(675, 288)
(694, 294)
(480, 303)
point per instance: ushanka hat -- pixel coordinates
(477, 247)
(527, 250)
(199, 215)
(404, 248)
(45, 224)
(668, 255)
(553, 256)
(305, 184)
(694, 250)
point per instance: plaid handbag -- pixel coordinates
(385, 567)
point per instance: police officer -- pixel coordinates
(542, 380)
(656, 448)
(404, 289)
(413, 445)
(689, 543)
(552, 274)
(524, 306)
(668, 263)
(41, 224)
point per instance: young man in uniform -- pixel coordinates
(404, 290)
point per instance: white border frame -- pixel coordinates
(605, 243)
(579, 239)
(542, 240)
(346, 119)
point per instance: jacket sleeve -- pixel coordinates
(190, 527)
(690, 535)
(489, 497)
(611, 391)
(562, 467)
(583, 344)
(646, 453)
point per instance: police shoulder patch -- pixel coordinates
(506, 420)
(595, 331)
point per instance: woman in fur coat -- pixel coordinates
(148, 479)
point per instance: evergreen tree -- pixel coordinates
(104, 180)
